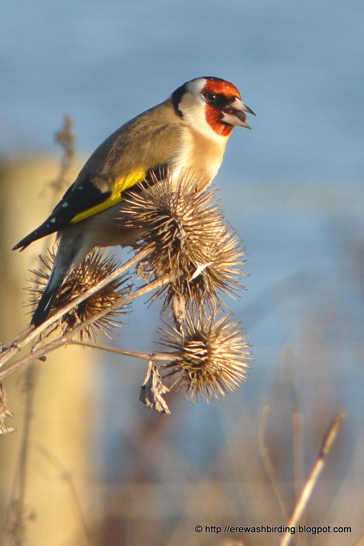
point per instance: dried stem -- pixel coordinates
(313, 477)
(63, 340)
(30, 333)
(65, 137)
(268, 463)
(134, 354)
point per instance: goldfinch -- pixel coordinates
(187, 131)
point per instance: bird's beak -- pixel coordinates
(234, 114)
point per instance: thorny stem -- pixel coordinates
(313, 477)
(124, 352)
(63, 340)
(30, 333)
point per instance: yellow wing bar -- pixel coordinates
(121, 184)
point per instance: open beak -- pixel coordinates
(234, 114)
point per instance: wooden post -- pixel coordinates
(57, 467)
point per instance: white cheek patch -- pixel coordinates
(193, 107)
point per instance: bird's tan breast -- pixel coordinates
(200, 155)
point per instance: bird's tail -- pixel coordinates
(72, 249)
(48, 296)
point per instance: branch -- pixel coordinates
(30, 333)
(124, 352)
(313, 477)
(63, 340)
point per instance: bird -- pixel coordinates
(189, 130)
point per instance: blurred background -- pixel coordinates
(98, 467)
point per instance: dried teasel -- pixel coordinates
(4, 412)
(185, 230)
(93, 268)
(211, 357)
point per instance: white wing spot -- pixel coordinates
(53, 220)
(64, 205)
(80, 187)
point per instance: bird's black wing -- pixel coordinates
(75, 201)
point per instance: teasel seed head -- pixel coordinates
(211, 357)
(189, 239)
(94, 268)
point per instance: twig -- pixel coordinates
(30, 384)
(297, 438)
(268, 463)
(297, 452)
(63, 340)
(313, 477)
(117, 350)
(298, 463)
(66, 139)
(30, 333)
(14, 524)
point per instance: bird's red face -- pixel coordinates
(211, 106)
(224, 108)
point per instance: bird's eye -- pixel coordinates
(210, 97)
